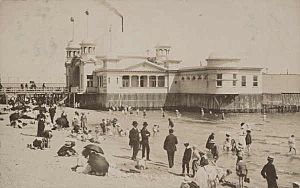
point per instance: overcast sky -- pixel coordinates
(34, 33)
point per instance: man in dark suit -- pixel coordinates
(145, 140)
(170, 147)
(134, 140)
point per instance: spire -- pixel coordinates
(72, 20)
(110, 38)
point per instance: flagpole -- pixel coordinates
(110, 38)
(87, 24)
(73, 31)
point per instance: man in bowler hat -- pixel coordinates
(145, 141)
(134, 140)
(170, 147)
(269, 172)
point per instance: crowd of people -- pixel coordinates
(202, 160)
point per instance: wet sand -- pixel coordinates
(23, 167)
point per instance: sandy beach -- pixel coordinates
(23, 167)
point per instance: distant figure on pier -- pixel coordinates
(22, 86)
(171, 124)
(292, 143)
(202, 112)
(44, 86)
(26, 86)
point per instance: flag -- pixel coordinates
(72, 19)
(87, 12)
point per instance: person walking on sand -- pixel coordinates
(241, 171)
(134, 140)
(186, 159)
(292, 143)
(83, 120)
(170, 146)
(145, 141)
(52, 111)
(269, 172)
(248, 140)
(208, 142)
(171, 124)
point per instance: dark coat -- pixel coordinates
(170, 143)
(145, 136)
(134, 137)
(269, 172)
(208, 144)
(187, 155)
(98, 164)
(248, 139)
(41, 128)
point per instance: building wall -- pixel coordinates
(281, 83)
(204, 82)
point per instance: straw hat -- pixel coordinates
(270, 158)
(134, 123)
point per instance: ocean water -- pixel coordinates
(270, 137)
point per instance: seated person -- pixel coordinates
(67, 149)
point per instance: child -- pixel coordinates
(292, 143)
(227, 143)
(186, 159)
(155, 129)
(195, 160)
(233, 145)
(248, 140)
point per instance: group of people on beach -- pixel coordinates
(200, 159)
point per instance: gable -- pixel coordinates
(145, 66)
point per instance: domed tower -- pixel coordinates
(162, 52)
(72, 50)
(87, 47)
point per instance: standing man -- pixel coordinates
(170, 147)
(41, 127)
(171, 124)
(134, 140)
(248, 140)
(269, 172)
(52, 111)
(145, 141)
(83, 120)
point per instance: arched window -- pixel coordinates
(152, 81)
(125, 81)
(134, 81)
(143, 81)
(161, 81)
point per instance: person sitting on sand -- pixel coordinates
(93, 163)
(292, 143)
(67, 149)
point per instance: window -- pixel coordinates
(125, 81)
(143, 81)
(219, 80)
(100, 81)
(255, 80)
(152, 81)
(161, 81)
(234, 80)
(244, 81)
(134, 81)
(89, 76)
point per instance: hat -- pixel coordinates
(248, 131)
(134, 123)
(212, 141)
(270, 158)
(227, 134)
(145, 124)
(186, 144)
(68, 144)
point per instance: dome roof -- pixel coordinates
(218, 55)
(72, 44)
(87, 42)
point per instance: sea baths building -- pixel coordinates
(154, 82)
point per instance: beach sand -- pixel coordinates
(23, 167)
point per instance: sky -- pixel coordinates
(34, 33)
